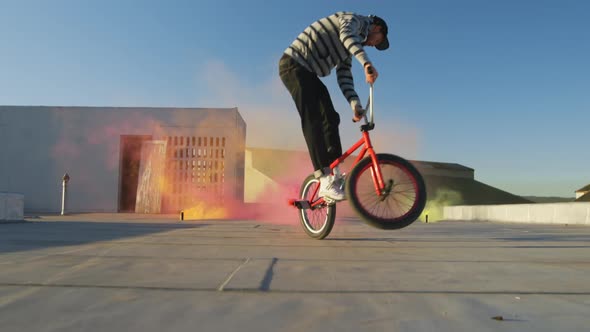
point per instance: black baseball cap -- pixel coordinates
(380, 22)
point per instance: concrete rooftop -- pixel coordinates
(126, 272)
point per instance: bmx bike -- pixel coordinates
(386, 191)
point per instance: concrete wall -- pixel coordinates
(11, 206)
(258, 186)
(39, 144)
(550, 213)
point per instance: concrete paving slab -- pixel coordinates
(113, 271)
(99, 272)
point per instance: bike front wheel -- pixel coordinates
(318, 219)
(395, 206)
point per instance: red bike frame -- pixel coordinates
(367, 146)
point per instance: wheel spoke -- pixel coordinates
(399, 201)
(314, 219)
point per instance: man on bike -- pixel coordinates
(329, 43)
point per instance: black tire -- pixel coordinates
(409, 198)
(316, 222)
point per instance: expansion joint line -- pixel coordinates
(228, 279)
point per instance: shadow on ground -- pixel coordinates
(23, 236)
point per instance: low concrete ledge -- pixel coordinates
(12, 206)
(549, 213)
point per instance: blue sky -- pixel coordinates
(500, 86)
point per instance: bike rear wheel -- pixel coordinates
(317, 221)
(399, 204)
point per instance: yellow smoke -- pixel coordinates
(434, 207)
(203, 210)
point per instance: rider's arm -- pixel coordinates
(346, 83)
(350, 27)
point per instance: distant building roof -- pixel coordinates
(586, 188)
(584, 198)
(439, 165)
(472, 191)
(185, 116)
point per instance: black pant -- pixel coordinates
(319, 119)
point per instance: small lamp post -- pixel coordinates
(65, 180)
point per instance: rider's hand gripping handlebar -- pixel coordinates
(369, 107)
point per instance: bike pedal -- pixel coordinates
(302, 205)
(329, 201)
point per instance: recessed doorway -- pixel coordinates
(129, 163)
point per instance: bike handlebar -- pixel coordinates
(369, 107)
(370, 70)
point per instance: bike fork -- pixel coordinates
(377, 175)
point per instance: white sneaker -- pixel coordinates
(331, 187)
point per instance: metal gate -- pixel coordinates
(195, 171)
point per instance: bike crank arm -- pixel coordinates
(300, 204)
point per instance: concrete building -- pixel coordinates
(271, 168)
(277, 174)
(154, 160)
(115, 155)
(583, 194)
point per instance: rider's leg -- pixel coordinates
(320, 129)
(319, 121)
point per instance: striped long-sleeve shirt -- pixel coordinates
(331, 42)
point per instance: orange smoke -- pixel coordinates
(272, 209)
(271, 203)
